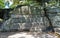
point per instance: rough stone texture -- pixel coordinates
(23, 18)
(20, 20)
(23, 23)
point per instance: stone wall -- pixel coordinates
(24, 18)
(30, 18)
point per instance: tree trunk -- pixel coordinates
(50, 27)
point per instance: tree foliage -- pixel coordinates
(2, 5)
(31, 2)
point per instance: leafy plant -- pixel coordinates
(2, 5)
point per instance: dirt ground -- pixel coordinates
(15, 35)
(25, 35)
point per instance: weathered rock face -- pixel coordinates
(22, 22)
(54, 15)
(20, 19)
(26, 21)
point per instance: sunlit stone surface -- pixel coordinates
(26, 35)
(22, 35)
